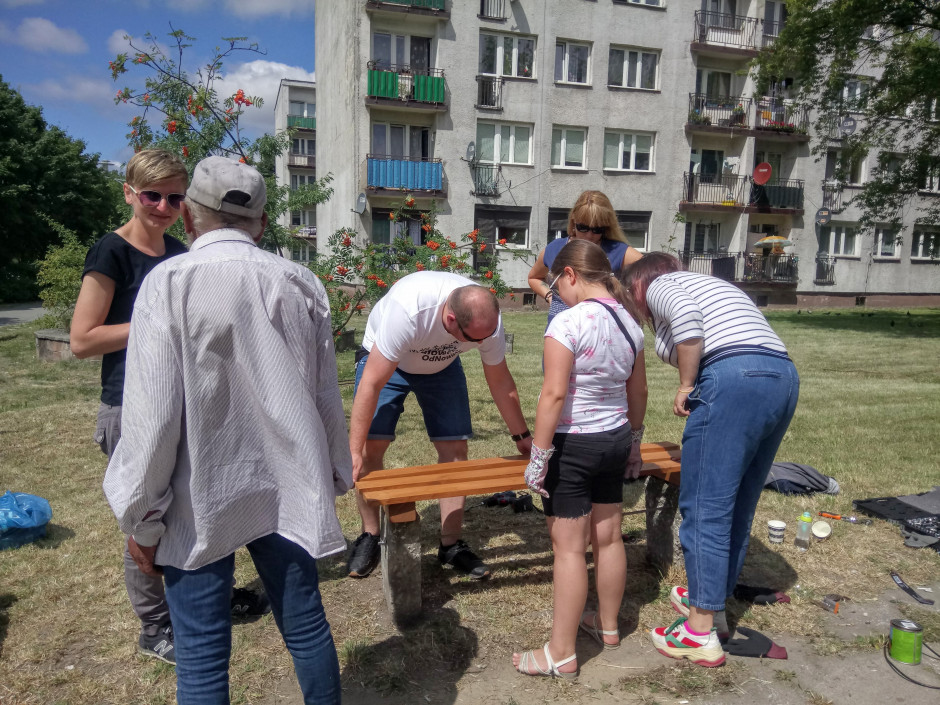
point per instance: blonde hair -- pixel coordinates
(150, 166)
(590, 263)
(594, 208)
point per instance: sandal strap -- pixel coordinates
(527, 662)
(553, 666)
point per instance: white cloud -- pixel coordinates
(20, 3)
(259, 8)
(73, 89)
(260, 78)
(117, 44)
(39, 34)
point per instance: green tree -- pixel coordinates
(46, 180)
(877, 61)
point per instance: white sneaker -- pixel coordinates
(677, 642)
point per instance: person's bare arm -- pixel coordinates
(506, 397)
(377, 372)
(89, 335)
(630, 256)
(689, 353)
(537, 278)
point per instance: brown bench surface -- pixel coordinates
(485, 476)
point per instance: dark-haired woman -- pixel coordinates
(738, 388)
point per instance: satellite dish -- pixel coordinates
(848, 125)
(823, 216)
(360, 204)
(762, 173)
(471, 152)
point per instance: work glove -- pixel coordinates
(537, 468)
(635, 460)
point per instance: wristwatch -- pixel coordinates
(520, 436)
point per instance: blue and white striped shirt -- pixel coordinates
(686, 305)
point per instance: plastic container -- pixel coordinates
(804, 531)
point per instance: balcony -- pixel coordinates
(743, 267)
(723, 34)
(433, 9)
(304, 123)
(717, 113)
(825, 269)
(713, 192)
(398, 173)
(771, 30)
(485, 179)
(781, 120)
(489, 92)
(493, 9)
(784, 196)
(307, 161)
(832, 195)
(401, 86)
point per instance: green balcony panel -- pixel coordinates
(429, 89)
(383, 84)
(430, 4)
(308, 123)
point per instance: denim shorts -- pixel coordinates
(586, 469)
(442, 396)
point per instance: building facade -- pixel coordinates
(501, 112)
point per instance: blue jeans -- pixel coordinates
(740, 410)
(200, 608)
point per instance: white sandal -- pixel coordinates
(527, 662)
(598, 634)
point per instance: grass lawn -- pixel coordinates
(868, 415)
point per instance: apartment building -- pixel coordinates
(295, 107)
(501, 112)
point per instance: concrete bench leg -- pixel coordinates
(662, 524)
(401, 567)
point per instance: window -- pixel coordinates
(775, 159)
(397, 51)
(635, 225)
(401, 141)
(303, 146)
(853, 169)
(571, 62)
(653, 3)
(855, 93)
(301, 251)
(557, 223)
(632, 68)
(298, 180)
(493, 9)
(712, 83)
(507, 55)
(301, 109)
(701, 237)
(501, 143)
(775, 17)
(497, 223)
(929, 175)
(838, 240)
(386, 231)
(925, 245)
(303, 218)
(629, 151)
(568, 147)
(886, 243)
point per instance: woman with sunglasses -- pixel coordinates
(592, 218)
(587, 423)
(115, 267)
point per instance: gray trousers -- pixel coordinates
(146, 594)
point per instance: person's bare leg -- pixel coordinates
(452, 508)
(373, 457)
(700, 621)
(610, 565)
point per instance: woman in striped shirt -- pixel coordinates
(738, 388)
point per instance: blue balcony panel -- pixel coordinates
(405, 173)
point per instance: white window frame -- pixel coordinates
(499, 135)
(642, 60)
(837, 239)
(406, 147)
(563, 147)
(855, 93)
(306, 109)
(298, 180)
(566, 45)
(304, 146)
(501, 54)
(880, 241)
(651, 3)
(303, 219)
(627, 143)
(921, 249)
(931, 177)
(849, 182)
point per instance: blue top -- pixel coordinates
(615, 249)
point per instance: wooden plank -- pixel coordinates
(402, 513)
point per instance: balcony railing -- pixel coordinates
(490, 92)
(423, 4)
(719, 110)
(405, 83)
(485, 179)
(743, 266)
(493, 9)
(308, 161)
(306, 123)
(780, 193)
(383, 171)
(727, 30)
(832, 195)
(771, 30)
(781, 116)
(825, 269)
(715, 189)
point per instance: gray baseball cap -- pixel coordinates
(228, 186)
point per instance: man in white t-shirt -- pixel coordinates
(413, 338)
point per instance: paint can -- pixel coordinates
(906, 641)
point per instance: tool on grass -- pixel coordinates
(832, 602)
(839, 517)
(909, 590)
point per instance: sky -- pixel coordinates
(56, 54)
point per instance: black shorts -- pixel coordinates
(586, 469)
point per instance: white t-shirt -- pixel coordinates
(407, 325)
(603, 361)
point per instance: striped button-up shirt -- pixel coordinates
(233, 424)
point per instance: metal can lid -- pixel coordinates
(906, 625)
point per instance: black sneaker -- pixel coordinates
(460, 557)
(160, 645)
(246, 603)
(364, 556)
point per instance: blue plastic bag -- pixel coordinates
(23, 518)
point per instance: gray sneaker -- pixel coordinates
(160, 645)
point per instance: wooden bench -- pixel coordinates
(397, 490)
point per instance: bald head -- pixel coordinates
(473, 304)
